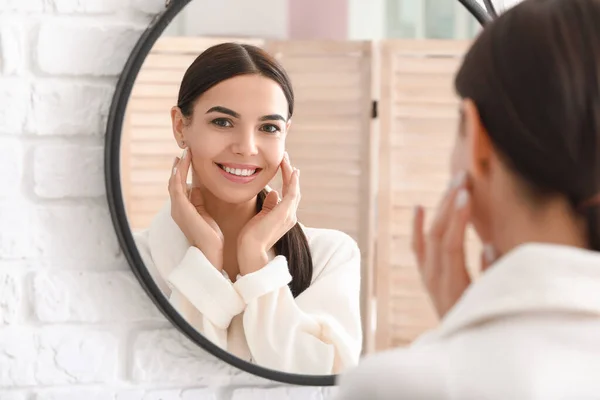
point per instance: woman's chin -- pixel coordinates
(235, 197)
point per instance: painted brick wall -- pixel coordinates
(74, 323)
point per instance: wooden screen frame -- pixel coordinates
(192, 46)
(423, 50)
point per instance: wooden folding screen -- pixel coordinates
(331, 142)
(350, 181)
(329, 139)
(418, 121)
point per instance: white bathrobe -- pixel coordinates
(529, 328)
(257, 318)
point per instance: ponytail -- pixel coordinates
(294, 247)
(593, 218)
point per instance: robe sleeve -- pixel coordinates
(198, 291)
(318, 332)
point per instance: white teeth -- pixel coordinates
(239, 172)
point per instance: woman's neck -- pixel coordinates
(553, 223)
(230, 218)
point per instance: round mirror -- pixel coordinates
(261, 166)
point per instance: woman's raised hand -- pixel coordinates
(188, 212)
(275, 219)
(440, 253)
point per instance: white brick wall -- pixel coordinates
(74, 322)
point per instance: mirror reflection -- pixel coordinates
(269, 166)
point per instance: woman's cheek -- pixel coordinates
(207, 146)
(274, 153)
(455, 163)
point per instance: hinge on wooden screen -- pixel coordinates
(374, 109)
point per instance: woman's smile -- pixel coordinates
(239, 173)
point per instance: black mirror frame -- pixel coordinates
(117, 208)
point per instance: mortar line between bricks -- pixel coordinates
(115, 385)
(34, 77)
(112, 19)
(107, 326)
(59, 140)
(6, 267)
(76, 201)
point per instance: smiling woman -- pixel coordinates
(229, 254)
(205, 144)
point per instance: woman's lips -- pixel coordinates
(238, 173)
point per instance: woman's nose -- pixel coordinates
(245, 143)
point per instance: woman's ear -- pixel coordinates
(178, 123)
(479, 145)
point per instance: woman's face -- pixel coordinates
(236, 136)
(472, 153)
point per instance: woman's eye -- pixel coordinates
(222, 122)
(271, 128)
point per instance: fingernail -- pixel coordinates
(462, 198)
(184, 153)
(174, 170)
(286, 156)
(458, 180)
(298, 172)
(489, 253)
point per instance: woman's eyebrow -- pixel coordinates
(223, 110)
(272, 117)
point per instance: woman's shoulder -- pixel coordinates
(330, 248)
(140, 235)
(328, 237)
(414, 373)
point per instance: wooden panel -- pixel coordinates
(330, 138)
(328, 145)
(195, 45)
(334, 142)
(330, 141)
(419, 117)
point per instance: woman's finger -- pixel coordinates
(488, 256)
(453, 257)
(173, 179)
(293, 190)
(440, 221)
(431, 269)
(184, 167)
(271, 200)
(280, 213)
(297, 192)
(196, 197)
(286, 173)
(174, 166)
(418, 236)
(288, 205)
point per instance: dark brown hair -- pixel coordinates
(225, 61)
(534, 74)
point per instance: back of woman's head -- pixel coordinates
(534, 75)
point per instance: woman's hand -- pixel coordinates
(274, 220)
(188, 212)
(440, 254)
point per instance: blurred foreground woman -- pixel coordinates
(526, 167)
